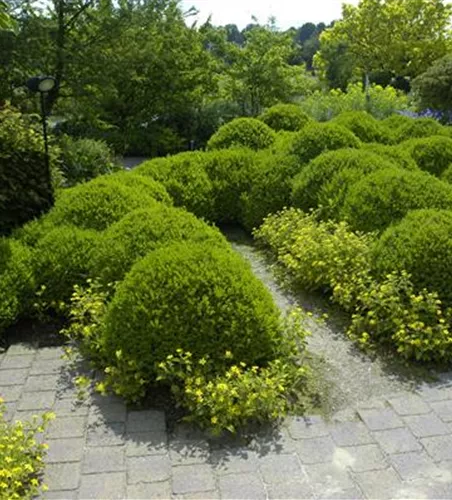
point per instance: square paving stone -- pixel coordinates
(426, 425)
(193, 478)
(234, 461)
(111, 486)
(277, 468)
(379, 420)
(398, 440)
(70, 408)
(106, 435)
(67, 427)
(409, 405)
(316, 450)
(22, 361)
(290, 490)
(247, 486)
(60, 495)
(275, 441)
(437, 392)
(329, 480)
(443, 409)
(351, 434)
(381, 484)
(189, 452)
(307, 427)
(48, 367)
(417, 465)
(20, 350)
(149, 491)
(141, 444)
(149, 469)
(146, 421)
(361, 458)
(42, 383)
(438, 447)
(65, 450)
(36, 401)
(109, 413)
(104, 459)
(62, 476)
(47, 353)
(11, 393)
(13, 377)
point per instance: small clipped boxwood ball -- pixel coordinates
(386, 196)
(395, 121)
(421, 244)
(420, 127)
(285, 117)
(197, 297)
(248, 132)
(396, 154)
(317, 138)
(364, 126)
(142, 231)
(447, 175)
(432, 154)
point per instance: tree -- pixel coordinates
(6, 21)
(402, 37)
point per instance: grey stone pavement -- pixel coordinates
(399, 446)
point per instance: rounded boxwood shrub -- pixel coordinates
(309, 182)
(432, 154)
(195, 297)
(97, 204)
(248, 132)
(285, 117)
(142, 231)
(386, 196)
(396, 121)
(447, 175)
(317, 138)
(364, 126)
(396, 154)
(420, 127)
(421, 243)
(61, 260)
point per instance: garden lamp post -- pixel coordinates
(43, 85)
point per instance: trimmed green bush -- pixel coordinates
(97, 204)
(283, 142)
(395, 121)
(308, 184)
(142, 231)
(432, 154)
(396, 154)
(447, 175)
(364, 126)
(288, 117)
(317, 138)
(196, 297)
(61, 259)
(386, 196)
(421, 243)
(248, 132)
(420, 127)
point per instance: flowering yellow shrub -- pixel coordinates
(21, 457)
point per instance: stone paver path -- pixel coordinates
(397, 446)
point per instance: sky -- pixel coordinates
(287, 12)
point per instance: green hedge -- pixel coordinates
(248, 132)
(421, 243)
(396, 154)
(432, 154)
(447, 175)
(420, 127)
(364, 126)
(288, 117)
(395, 121)
(386, 196)
(142, 231)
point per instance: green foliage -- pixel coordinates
(215, 304)
(421, 244)
(396, 121)
(22, 456)
(421, 127)
(247, 132)
(308, 184)
(386, 196)
(84, 159)
(447, 175)
(364, 126)
(25, 186)
(382, 102)
(142, 231)
(97, 204)
(396, 154)
(316, 138)
(285, 117)
(432, 154)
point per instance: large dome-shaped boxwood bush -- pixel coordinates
(395, 121)
(197, 297)
(97, 204)
(432, 154)
(421, 243)
(386, 196)
(396, 154)
(248, 132)
(420, 127)
(285, 117)
(364, 126)
(309, 182)
(142, 231)
(447, 175)
(317, 138)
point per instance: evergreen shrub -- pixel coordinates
(396, 154)
(432, 154)
(288, 117)
(420, 127)
(364, 126)
(248, 132)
